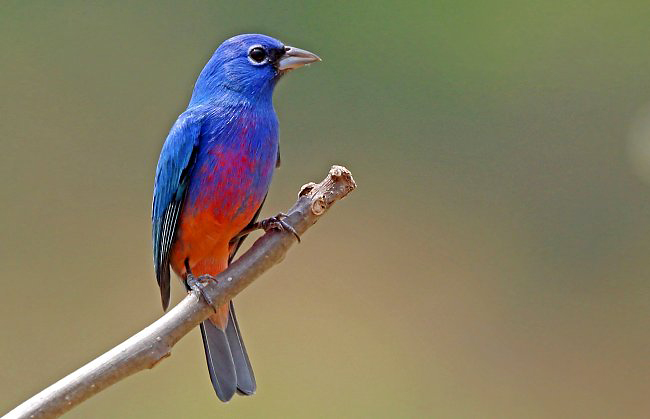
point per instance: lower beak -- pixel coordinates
(296, 57)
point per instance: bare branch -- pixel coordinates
(148, 347)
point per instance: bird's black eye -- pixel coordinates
(257, 54)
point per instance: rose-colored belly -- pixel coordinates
(226, 190)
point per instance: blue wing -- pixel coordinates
(172, 177)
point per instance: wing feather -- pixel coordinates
(172, 179)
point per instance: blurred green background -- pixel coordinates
(494, 261)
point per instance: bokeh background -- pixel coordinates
(493, 262)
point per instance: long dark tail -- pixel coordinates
(228, 363)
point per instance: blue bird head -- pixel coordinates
(248, 66)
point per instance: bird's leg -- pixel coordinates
(278, 223)
(271, 223)
(198, 284)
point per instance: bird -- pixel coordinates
(212, 178)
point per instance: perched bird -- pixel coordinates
(212, 178)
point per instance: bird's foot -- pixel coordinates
(278, 223)
(199, 283)
(271, 223)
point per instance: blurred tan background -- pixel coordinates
(494, 261)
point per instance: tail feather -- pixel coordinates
(245, 377)
(228, 363)
(220, 361)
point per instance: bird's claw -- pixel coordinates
(198, 284)
(278, 223)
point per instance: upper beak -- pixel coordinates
(296, 57)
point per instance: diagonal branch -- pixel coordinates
(148, 347)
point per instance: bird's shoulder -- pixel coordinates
(175, 157)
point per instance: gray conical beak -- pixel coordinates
(296, 57)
